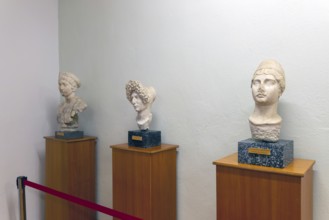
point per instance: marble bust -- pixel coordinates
(141, 98)
(68, 110)
(267, 85)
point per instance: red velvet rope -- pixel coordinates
(81, 202)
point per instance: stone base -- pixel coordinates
(269, 154)
(68, 134)
(144, 139)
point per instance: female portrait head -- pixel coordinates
(68, 83)
(268, 83)
(67, 111)
(139, 96)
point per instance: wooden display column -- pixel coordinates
(144, 181)
(70, 168)
(251, 192)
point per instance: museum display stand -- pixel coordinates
(144, 181)
(252, 192)
(70, 168)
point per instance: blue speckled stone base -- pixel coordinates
(281, 153)
(68, 134)
(144, 138)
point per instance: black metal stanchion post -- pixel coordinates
(21, 193)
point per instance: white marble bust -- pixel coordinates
(67, 112)
(268, 84)
(142, 99)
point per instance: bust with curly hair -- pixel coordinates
(141, 98)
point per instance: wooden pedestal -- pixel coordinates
(70, 168)
(252, 192)
(144, 181)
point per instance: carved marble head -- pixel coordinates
(68, 83)
(139, 96)
(267, 85)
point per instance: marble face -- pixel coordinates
(265, 89)
(137, 102)
(66, 88)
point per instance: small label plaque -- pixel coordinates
(261, 151)
(60, 133)
(137, 138)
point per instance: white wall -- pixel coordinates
(200, 57)
(28, 90)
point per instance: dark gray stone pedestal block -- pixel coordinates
(144, 138)
(278, 154)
